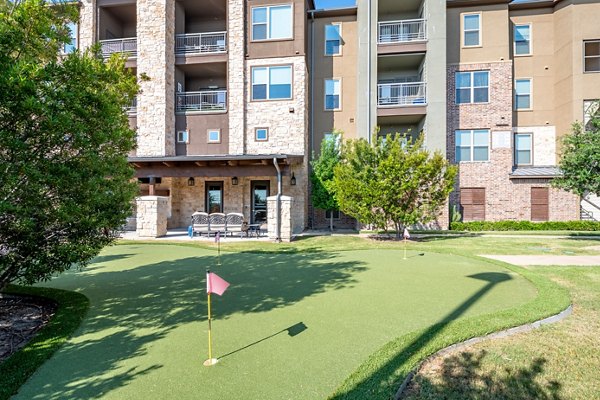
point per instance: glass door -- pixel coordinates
(214, 197)
(259, 193)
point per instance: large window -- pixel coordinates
(472, 87)
(333, 92)
(272, 23)
(72, 45)
(214, 197)
(471, 30)
(523, 149)
(591, 62)
(523, 94)
(333, 39)
(522, 39)
(591, 110)
(472, 145)
(272, 83)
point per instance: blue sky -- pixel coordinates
(334, 3)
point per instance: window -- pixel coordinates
(472, 201)
(471, 30)
(272, 23)
(330, 136)
(333, 94)
(472, 145)
(591, 110)
(591, 61)
(72, 45)
(523, 94)
(183, 137)
(261, 134)
(336, 214)
(214, 136)
(214, 197)
(522, 35)
(272, 83)
(523, 148)
(333, 39)
(472, 87)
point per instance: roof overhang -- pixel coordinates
(334, 12)
(550, 172)
(473, 3)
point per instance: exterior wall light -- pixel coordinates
(234, 181)
(191, 182)
(293, 180)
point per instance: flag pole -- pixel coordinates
(211, 361)
(405, 247)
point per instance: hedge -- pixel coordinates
(589, 226)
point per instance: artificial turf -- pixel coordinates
(145, 333)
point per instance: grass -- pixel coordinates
(559, 361)
(71, 310)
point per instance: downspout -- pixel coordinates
(278, 202)
(312, 108)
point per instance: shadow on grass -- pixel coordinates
(461, 378)
(131, 308)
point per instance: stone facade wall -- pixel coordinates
(87, 23)
(506, 199)
(236, 73)
(288, 223)
(152, 216)
(156, 75)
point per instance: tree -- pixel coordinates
(580, 161)
(394, 180)
(321, 177)
(65, 184)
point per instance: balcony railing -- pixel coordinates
(203, 101)
(401, 94)
(125, 45)
(409, 30)
(201, 43)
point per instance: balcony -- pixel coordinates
(201, 43)
(203, 101)
(401, 94)
(125, 45)
(410, 30)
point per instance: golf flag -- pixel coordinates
(406, 235)
(217, 237)
(215, 284)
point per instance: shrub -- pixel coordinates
(588, 226)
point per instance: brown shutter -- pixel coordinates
(472, 201)
(539, 204)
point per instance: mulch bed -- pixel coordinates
(21, 317)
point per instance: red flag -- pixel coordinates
(215, 284)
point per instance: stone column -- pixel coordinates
(287, 223)
(87, 23)
(152, 214)
(156, 76)
(236, 72)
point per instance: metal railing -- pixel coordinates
(132, 109)
(201, 43)
(205, 101)
(401, 94)
(409, 30)
(125, 45)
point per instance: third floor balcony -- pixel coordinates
(201, 43)
(206, 101)
(403, 31)
(401, 94)
(126, 46)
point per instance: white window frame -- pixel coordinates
(339, 25)
(268, 68)
(530, 42)
(268, 23)
(471, 145)
(183, 136)
(472, 87)
(530, 94)
(464, 30)
(339, 108)
(208, 132)
(75, 36)
(256, 134)
(586, 57)
(530, 134)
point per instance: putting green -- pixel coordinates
(145, 336)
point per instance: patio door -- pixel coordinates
(259, 193)
(214, 197)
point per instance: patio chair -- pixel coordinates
(234, 223)
(200, 223)
(217, 222)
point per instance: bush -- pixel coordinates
(589, 226)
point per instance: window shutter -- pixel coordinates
(539, 204)
(472, 201)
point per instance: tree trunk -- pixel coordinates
(397, 230)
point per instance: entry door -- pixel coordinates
(259, 193)
(214, 197)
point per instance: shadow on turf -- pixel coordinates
(377, 384)
(132, 308)
(461, 378)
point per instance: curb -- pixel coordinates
(496, 335)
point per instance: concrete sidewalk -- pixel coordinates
(547, 260)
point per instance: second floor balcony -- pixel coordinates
(208, 101)
(201, 43)
(402, 94)
(126, 46)
(404, 31)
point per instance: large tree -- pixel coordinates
(65, 184)
(321, 177)
(392, 181)
(580, 161)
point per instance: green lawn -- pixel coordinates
(145, 333)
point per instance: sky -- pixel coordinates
(334, 3)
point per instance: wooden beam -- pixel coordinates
(168, 164)
(137, 165)
(201, 163)
(232, 163)
(187, 170)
